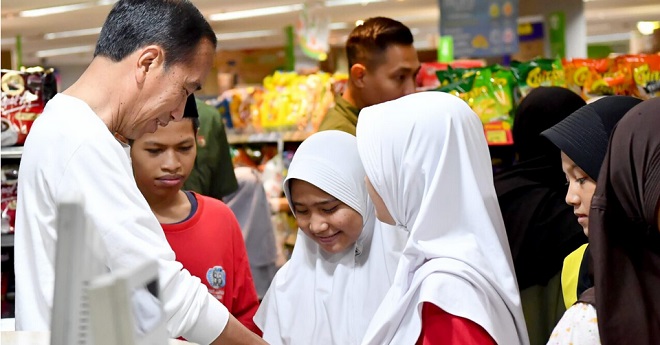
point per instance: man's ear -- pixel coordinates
(357, 73)
(149, 58)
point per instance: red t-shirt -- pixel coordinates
(440, 327)
(210, 246)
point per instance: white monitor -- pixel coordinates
(79, 257)
(125, 307)
(92, 306)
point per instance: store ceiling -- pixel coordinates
(604, 17)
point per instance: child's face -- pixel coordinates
(333, 225)
(581, 189)
(163, 160)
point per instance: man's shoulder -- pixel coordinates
(206, 111)
(67, 117)
(338, 120)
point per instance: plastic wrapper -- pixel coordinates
(537, 73)
(489, 92)
(24, 96)
(9, 193)
(646, 76)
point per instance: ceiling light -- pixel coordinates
(73, 33)
(333, 3)
(8, 41)
(39, 12)
(64, 51)
(609, 38)
(246, 34)
(267, 11)
(647, 28)
(338, 26)
(359, 22)
(257, 12)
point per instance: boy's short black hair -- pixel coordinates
(175, 25)
(190, 112)
(367, 42)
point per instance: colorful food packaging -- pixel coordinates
(24, 96)
(489, 92)
(9, 194)
(536, 73)
(646, 76)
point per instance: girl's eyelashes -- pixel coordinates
(330, 210)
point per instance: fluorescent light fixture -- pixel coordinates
(39, 12)
(53, 10)
(246, 34)
(73, 33)
(9, 41)
(647, 28)
(609, 38)
(338, 26)
(257, 12)
(333, 3)
(64, 51)
(268, 11)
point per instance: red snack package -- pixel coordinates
(24, 95)
(646, 74)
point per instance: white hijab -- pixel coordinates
(427, 157)
(321, 298)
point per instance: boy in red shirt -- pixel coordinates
(202, 231)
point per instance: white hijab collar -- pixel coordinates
(321, 298)
(427, 157)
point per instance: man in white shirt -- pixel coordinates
(151, 54)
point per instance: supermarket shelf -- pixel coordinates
(11, 152)
(7, 240)
(268, 137)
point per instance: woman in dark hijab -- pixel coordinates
(582, 138)
(625, 241)
(541, 227)
(625, 234)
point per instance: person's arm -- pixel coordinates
(116, 209)
(440, 327)
(235, 333)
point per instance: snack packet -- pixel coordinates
(24, 96)
(536, 73)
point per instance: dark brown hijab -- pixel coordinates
(540, 226)
(624, 235)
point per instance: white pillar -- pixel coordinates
(576, 24)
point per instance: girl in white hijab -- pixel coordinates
(429, 173)
(340, 268)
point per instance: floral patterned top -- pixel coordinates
(578, 326)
